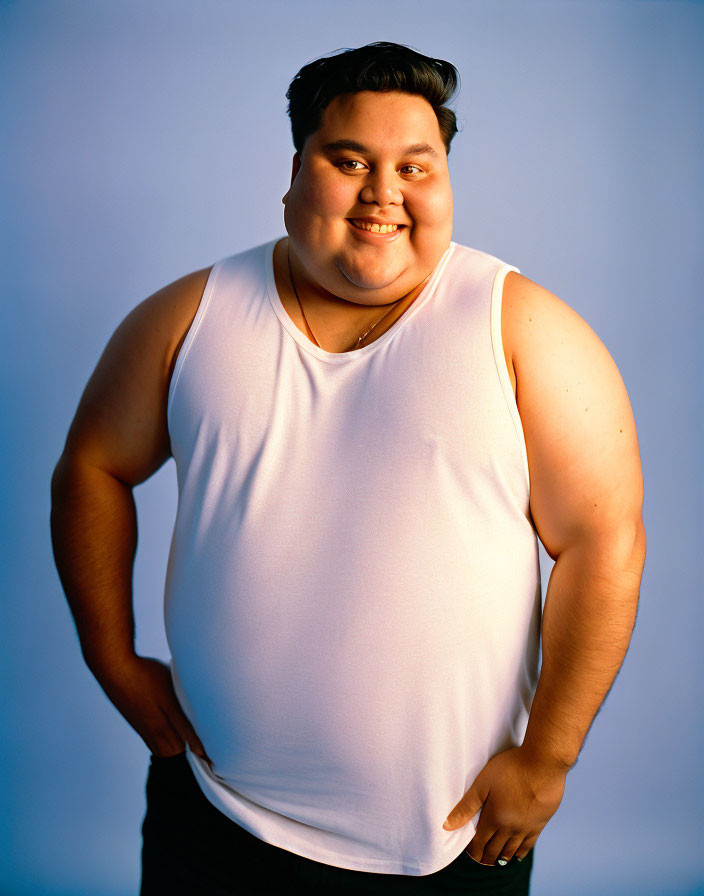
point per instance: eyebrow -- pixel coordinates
(417, 149)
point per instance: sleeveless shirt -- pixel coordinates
(353, 596)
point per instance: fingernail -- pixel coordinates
(502, 862)
(519, 858)
(447, 824)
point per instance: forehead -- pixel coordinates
(387, 119)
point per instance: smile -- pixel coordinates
(374, 228)
(372, 233)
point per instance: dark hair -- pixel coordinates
(382, 67)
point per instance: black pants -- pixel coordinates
(190, 848)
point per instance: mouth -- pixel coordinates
(373, 227)
(374, 230)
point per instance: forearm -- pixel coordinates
(94, 537)
(589, 614)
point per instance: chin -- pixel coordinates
(371, 283)
(363, 278)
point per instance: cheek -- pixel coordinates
(325, 197)
(429, 204)
(436, 208)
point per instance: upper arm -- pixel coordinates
(120, 425)
(585, 473)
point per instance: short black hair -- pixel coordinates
(381, 67)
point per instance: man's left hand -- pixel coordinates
(517, 794)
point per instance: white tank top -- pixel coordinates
(353, 590)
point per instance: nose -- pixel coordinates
(380, 187)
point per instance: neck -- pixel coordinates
(339, 322)
(318, 298)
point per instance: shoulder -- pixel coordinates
(162, 320)
(180, 295)
(532, 316)
(120, 425)
(547, 340)
(541, 332)
(157, 327)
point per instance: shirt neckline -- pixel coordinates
(340, 357)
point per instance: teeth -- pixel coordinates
(375, 228)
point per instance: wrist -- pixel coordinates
(110, 664)
(551, 760)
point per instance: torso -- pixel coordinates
(340, 334)
(341, 337)
(341, 340)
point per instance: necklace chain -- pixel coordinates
(300, 305)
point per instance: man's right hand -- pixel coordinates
(142, 691)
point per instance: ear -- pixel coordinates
(295, 167)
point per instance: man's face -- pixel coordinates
(396, 172)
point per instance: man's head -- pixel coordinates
(372, 135)
(381, 66)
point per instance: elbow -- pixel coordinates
(619, 547)
(627, 550)
(635, 545)
(59, 491)
(68, 475)
(630, 544)
(641, 541)
(57, 478)
(60, 477)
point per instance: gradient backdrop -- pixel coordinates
(144, 140)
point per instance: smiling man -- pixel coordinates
(369, 212)
(372, 427)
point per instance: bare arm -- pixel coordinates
(118, 438)
(586, 504)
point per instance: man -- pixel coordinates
(371, 426)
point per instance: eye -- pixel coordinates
(346, 163)
(416, 167)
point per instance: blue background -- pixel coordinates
(142, 141)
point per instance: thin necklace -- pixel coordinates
(295, 292)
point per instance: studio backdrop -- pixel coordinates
(144, 140)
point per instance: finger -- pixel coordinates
(184, 730)
(467, 807)
(160, 736)
(507, 852)
(472, 858)
(163, 745)
(165, 753)
(167, 740)
(494, 847)
(526, 846)
(477, 844)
